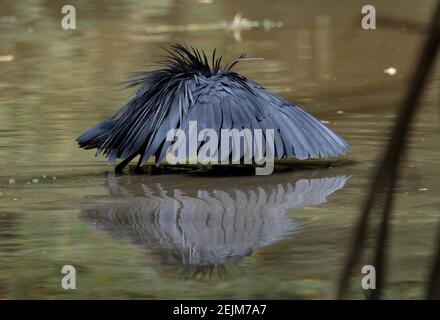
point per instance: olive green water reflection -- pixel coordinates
(283, 236)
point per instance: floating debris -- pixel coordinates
(11, 181)
(423, 189)
(235, 26)
(44, 176)
(7, 58)
(205, 1)
(54, 178)
(339, 112)
(390, 71)
(35, 180)
(325, 121)
(15, 199)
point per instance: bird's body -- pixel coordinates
(188, 89)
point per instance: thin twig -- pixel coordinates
(395, 148)
(433, 291)
(381, 245)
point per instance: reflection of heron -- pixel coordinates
(207, 225)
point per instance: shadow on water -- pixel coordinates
(208, 223)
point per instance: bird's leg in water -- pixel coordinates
(138, 166)
(120, 167)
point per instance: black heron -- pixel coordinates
(187, 88)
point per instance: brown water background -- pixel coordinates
(284, 236)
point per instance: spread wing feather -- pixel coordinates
(188, 89)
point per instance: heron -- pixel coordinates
(189, 86)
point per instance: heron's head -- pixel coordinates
(182, 62)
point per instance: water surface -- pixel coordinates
(178, 236)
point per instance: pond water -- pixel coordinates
(181, 236)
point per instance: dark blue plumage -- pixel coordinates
(187, 88)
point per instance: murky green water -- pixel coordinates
(283, 236)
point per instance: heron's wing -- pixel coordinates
(96, 136)
(142, 124)
(302, 134)
(228, 104)
(218, 106)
